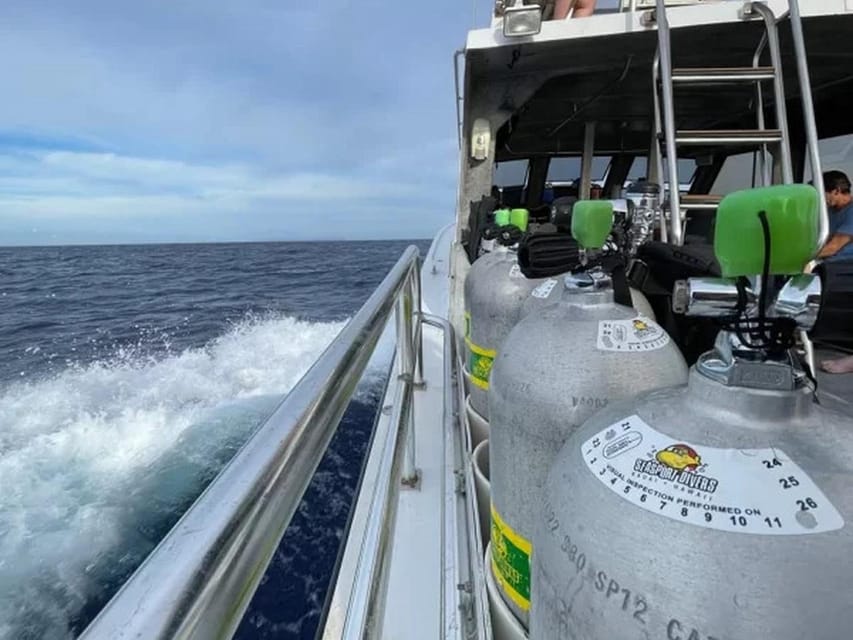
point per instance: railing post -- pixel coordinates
(408, 303)
(417, 312)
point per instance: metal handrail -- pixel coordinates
(200, 579)
(772, 34)
(810, 123)
(664, 51)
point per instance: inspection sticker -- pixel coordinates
(757, 491)
(637, 335)
(544, 290)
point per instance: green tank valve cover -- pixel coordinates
(519, 218)
(502, 217)
(792, 212)
(592, 221)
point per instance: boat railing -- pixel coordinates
(644, 5)
(199, 581)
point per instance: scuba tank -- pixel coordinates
(720, 510)
(555, 369)
(550, 292)
(550, 255)
(495, 289)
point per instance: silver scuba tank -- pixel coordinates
(495, 290)
(550, 291)
(633, 226)
(717, 511)
(555, 369)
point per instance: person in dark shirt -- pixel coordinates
(840, 202)
(582, 8)
(840, 243)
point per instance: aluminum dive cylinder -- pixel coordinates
(550, 291)
(495, 290)
(555, 369)
(719, 511)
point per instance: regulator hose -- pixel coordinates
(544, 255)
(773, 335)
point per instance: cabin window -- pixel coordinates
(640, 171)
(736, 174)
(512, 173)
(564, 170)
(510, 182)
(835, 154)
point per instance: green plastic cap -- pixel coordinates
(792, 216)
(519, 218)
(502, 217)
(592, 221)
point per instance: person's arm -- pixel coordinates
(835, 244)
(841, 238)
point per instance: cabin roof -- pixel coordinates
(540, 92)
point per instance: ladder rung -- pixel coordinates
(702, 202)
(730, 137)
(712, 75)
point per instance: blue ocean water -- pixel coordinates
(129, 375)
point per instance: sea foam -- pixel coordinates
(99, 460)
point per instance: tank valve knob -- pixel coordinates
(680, 297)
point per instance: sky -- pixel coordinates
(200, 121)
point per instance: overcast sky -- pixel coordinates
(194, 120)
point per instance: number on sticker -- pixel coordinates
(708, 517)
(769, 464)
(807, 504)
(773, 523)
(738, 520)
(789, 482)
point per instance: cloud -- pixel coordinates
(46, 196)
(236, 109)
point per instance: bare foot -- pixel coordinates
(839, 365)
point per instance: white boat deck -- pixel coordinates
(413, 608)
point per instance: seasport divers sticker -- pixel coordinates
(756, 491)
(544, 290)
(480, 364)
(515, 272)
(637, 335)
(511, 561)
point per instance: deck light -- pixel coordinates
(522, 20)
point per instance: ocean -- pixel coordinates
(129, 376)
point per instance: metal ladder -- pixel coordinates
(666, 78)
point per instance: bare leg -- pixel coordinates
(838, 365)
(561, 9)
(582, 8)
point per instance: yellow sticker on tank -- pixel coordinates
(511, 561)
(480, 364)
